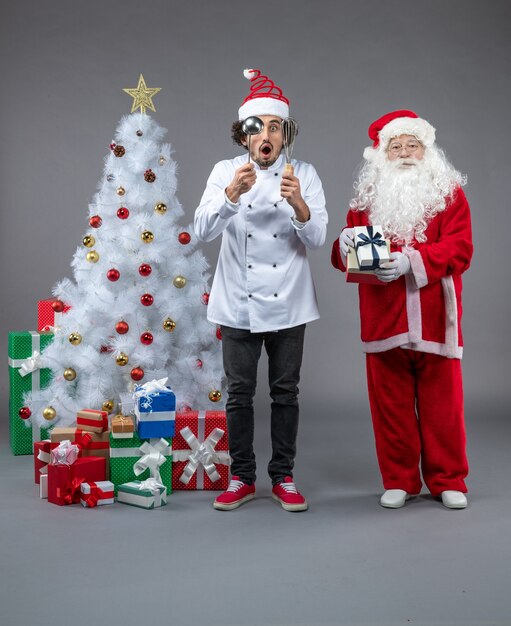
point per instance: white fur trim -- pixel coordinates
(415, 126)
(263, 106)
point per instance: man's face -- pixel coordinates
(266, 147)
(406, 149)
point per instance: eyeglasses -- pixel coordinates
(411, 147)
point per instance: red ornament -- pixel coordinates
(184, 238)
(112, 146)
(106, 349)
(205, 298)
(146, 299)
(219, 333)
(146, 339)
(24, 412)
(137, 373)
(122, 327)
(113, 275)
(95, 221)
(198, 363)
(123, 213)
(58, 306)
(149, 176)
(145, 269)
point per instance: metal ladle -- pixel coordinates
(252, 126)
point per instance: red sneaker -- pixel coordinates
(288, 495)
(236, 494)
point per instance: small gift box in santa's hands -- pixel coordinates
(370, 251)
(147, 494)
(200, 451)
(97, 494)
(92, 421)
(155, 408)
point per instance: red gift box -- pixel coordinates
(47, 318)
(64, 480)
(92, 420)
(41, 458)
(200, 451)
(90, 444)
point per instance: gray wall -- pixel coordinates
(342, 64)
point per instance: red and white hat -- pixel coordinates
(397, 123)
(265, 98)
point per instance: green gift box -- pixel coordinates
(142, 494)
(25, 375)
(139, 459)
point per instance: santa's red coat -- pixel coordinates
(422, 310)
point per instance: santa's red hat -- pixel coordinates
(397, 123)
(265, 98)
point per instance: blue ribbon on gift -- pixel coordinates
(374, 239)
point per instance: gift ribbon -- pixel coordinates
(96, 493)
(122, 421)
(152, 459)
(31, 364)
(68, 492)
(203, 456)
(373, 240)
(143, 392)
(65, 453)
(44, 457)
(84, 421)
(153, 485)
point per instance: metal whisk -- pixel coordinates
(289, 132)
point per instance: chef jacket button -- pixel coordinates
(249, 295)
(249, 206)
(274, 265)
(249, 235)
(249, 267)
(275, 205)
(275, 235)
(275, 295)
(276, 174)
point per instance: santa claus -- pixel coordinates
(411, 321)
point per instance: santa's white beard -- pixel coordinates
(404, 199)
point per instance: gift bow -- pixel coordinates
(82, 438)
(150, 387)
(201, 454)
(65, 453)
(31, 364)
(153, 485)
(68, 492)
(152, 458)
(373, 239)
(91, 499)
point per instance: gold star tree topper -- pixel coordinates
(142, 96)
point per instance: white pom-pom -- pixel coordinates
(369, 153)
(248, 74)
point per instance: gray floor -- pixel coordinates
(345, 561)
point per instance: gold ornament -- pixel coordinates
(108, 406)
(92, 256)
(169, 325)
(88, 241)
(179, 282)
(142, 96)
(121, 359)
(160, 208)
(215, 395)
(49, 413)
(147, 236)
(120, 191)
(69, 373)
(75, 339)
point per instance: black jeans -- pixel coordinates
(241, 352)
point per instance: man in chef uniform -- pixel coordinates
(262, 292)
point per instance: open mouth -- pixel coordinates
(266, 150)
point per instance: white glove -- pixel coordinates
(347, 239)
(398, 265)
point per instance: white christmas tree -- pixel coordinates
(138, 301)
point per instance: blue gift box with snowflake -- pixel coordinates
(155, 408)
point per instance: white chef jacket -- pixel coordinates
(263, 280)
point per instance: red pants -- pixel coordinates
(416, 401)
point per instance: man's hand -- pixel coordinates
(290, 191)
(347, 240)
(243, 181)
(398, 265)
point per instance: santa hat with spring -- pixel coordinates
(394, 124)
(265, 98)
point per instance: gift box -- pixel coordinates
(47, 318)
(25, 374)
(155, 408)
(123, 427)
(355, 274)
(43, 486)
(97, 494)
(41, 459)
(200, 451)
(136, 458)
(90, 444)
(371, 247)
(92, 421)
(64, 480)
(148, 494)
